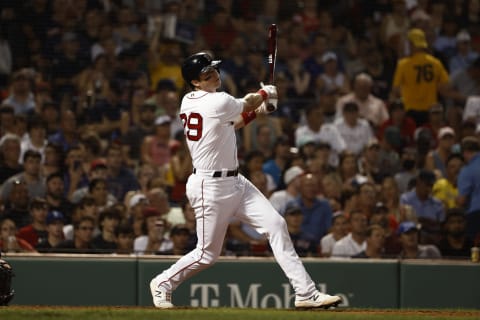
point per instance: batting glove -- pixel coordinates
(267, 107)
(268, 91)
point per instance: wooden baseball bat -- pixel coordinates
(272, 54)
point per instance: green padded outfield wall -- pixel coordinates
(262, 284)
(440, 285)
(123, 281)
(74, 281)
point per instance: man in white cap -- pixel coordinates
(279, 199)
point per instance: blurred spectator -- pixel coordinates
(16, 204)
(369, 163)
(124, 235)
(261, 134)
(36, 231)
(370, 107)
(455, 243)
(418, 86)
(219, 32)
(390, 197)
(136, 204)
(98, 190)
(156, 148)
(120, 179)
(411, 249)
(471, 112)
(367, 198)
(317, 131)
(382, 218)
(30, 175)
(426, 135)
(104, 117)
(52, 161)
(190, 223)
(408, 171)
(36, 138)
(338, 230)
(67, 135)
(399, 119)
(331, 186)
(388, 155)
(179, 236)
(146, 174)
(9, 157)
(108, 221)
(468, 183)
(82, 241)
(164, 62)
(318, 47)
(50, 115)
(158, 199)
(54, 227)
(354, 242)
(465, 82)
(317, 213)
(253, 162)
(98, 170)
(436, 159)
(7, 120)
(428, 209)
(87, 208)
(21, 96)
(138, 131)
(375, 240)
(378, 66)
(280, 198)
(332, 79)
(348, 169)
(74, 172)
(181, 167)
(303, 245)
(464, 56)
(445, 189)
(170, 106)
(9, 242)
(276, 166)
(154, 236)
(395, 22)
(355, 132)
(55, 196)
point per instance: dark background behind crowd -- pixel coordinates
(92, 152)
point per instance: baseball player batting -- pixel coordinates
(217, 192)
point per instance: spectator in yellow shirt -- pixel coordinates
(419, 78)
(445, 189)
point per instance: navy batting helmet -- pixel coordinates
(196, 64)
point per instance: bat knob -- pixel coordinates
(270, 107)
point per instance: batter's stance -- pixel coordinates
(217, 192)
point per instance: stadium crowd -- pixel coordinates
(373, 152)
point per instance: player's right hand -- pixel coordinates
(267, 107)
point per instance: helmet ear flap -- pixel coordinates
(6, 274)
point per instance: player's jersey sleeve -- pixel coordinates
(228, 108)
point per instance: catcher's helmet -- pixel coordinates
(196, 64)
(6, 274)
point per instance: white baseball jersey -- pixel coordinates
(208, 124)
(208, 120)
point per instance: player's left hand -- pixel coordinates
(270, 90)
